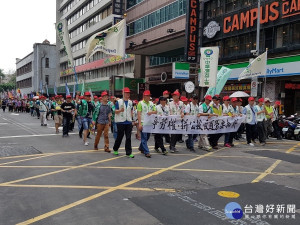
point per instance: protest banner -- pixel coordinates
(191, 124)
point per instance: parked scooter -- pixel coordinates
(291, 124)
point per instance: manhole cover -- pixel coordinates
(17, 150)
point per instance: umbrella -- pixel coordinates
(36, 97)
(239, 94)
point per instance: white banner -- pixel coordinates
(63, 34)
(110, 41)
(209, 66)
(256, 68)
(191, 124)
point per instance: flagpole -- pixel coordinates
(266, 73)
(76, 78)
(124, 16)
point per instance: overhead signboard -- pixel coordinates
(180, 70)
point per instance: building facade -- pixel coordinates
(231, 25)
(37, 71)
(156, 32)
(101, 72)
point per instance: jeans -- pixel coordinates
(66, 125)
(114, 129)
(86, 122)
(250, 132)
(261, 130)
(190, 141)
(159, 143)
(79, 121)
(127, 130)
(229, 138)
(144, 146)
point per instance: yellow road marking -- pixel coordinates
(228, 194)
(60, 171)
(84, 200)
(286, 174)
(217, 171)
(292, 148)
(89, 187)
(268, 171)
(23, 160)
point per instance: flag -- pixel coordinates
(10, 94)
(41, 87)
(222, 78)
(256, 68)
(47, 90)
(110, 41)
(209, 66)
(31, 95)
(67, 89)
(92, 96)
(13, 93)
(74, 90)
(82, 89)
(63, 34)
(55, 89)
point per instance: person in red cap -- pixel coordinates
(205, 110)
(275, 108)
(228, 111)
(86, 108)
(177, 109)
(67, 109)
(269, 117)
(102, 116)
(218, 111)
(43, 109)
(251, 115)
(123, 119)
(166, 94)
(145, 107)
(240, 111)
(56, 110)
(261, 118)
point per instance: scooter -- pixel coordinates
(289, 130)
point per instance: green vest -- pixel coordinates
(83, 108)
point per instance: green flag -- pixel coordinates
(222, 78)
(82, 89)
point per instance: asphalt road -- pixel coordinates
(47, 179)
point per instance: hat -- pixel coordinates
(111, 97)
(208, 97)
(135, 101)
(234, 99)
(157, 99)
(81, 97)
(176, 93)
(95, 97)
(104, 93)
(68, 96)
(250, 99)
(57, 96)
(166, 92)
(87, 93)
(147, 93)
(226, 98)
(241, 100)
(126, 90)
(183, 98)
(277, 103)
(261, 100)
(267, 100)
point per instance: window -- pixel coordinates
(47, 63)
(282, 36)
(47, 79)
(230, 5)
(296, 33)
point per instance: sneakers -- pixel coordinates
(130, 156)
(180, 141)
(251, 144)
(231, 144)
(86, 143)
(96, 147)
(148, 155)
(208, 148)
(116, 153)
(227, 145)
(263, 143)
(107, 150)
(65, 135)
(157, 150)
(173, 149)
(215, 147)
(192, 150)
(165, 152)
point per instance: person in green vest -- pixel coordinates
(217, 110)
(31, 107)
(114, 128)
(261, 118)
(269, 116)
(55, 108)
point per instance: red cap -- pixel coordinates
(183, 98)
(60, 96)
(100, 98)
(104, 93)
(234, 99)
(68, 96)
(208, 97)
(57, 96)
(87, 93)
(277, 103)
(126, 90)
(191, 99)
(261, 100)
(241, 100)
(111, 97)
(226, 98)
(95, 97)
(250, 99)
(157, 99)
(135, 101)
(166, 92)
(147, 93)
(176, 93)
(81, 97)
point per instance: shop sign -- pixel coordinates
(97, 64)
(211, 29)
(238, 87)
(292, 86)
(209, 66)
(269, 13)
(117, 7)
(180, 70)
(192, 30)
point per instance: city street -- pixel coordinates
(47, 179)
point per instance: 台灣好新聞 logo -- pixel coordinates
(233, 211)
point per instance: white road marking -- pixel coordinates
(34, 135)
(14, 114)
(3, 123)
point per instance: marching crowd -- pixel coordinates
(99, 114)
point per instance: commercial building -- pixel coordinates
(157, 33)
(37, 70)
(231, 25)
(101, 72)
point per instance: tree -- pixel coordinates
(2, 75)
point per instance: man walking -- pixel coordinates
(123, 120)
(261, 117)
(55, 108)
(251, 116)
(275, 120)
(67, 108)
(43, 110)
(102, 116)
(269, 116)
